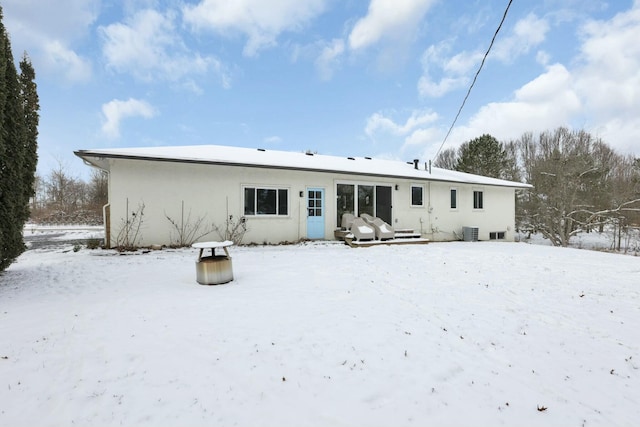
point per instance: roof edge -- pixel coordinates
(85, 154)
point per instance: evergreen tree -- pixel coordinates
(30, 109)
(5, 211)
(483, 156)
(17, 149)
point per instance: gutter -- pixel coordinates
(428, 178)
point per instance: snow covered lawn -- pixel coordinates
(323, 335)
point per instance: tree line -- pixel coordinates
(60, 198)
(19, 118)
(579, 182)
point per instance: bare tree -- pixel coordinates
(447, 159)
(38, 200)
(572, 173)
(511, 170)
(61, 198)
(62, 190)
(98, 189)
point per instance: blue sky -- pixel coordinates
(381, 78)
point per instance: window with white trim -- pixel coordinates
(266, 201)
(417, 195)
(496, 235)
(478, 203)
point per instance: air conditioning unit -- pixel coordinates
(470, 234)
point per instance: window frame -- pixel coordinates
(358, 209)
(421, 187)
(279, 202)
(366, 199)
(451, 192)
(478, 199)
(343, 199)
(497, 235)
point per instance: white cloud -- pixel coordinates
(403, 138)
(428, 87)
(454, 71)
(55, 55)
(48, 31)
(62, 20)
(148, 46)
(608, 78)
(547, 102)
(528, 33)
(378, 123)
(610, 71)
(329, 58)
(117, 110)
(619, 133)
(456, 68)
(543, 57)
(273, 140)
(418, 129)
(423, 136)
(260, 21)
(463, 62)
(600, 93)
(388, 19)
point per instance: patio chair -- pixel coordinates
(383, 230)
(361, 230)
(347, 221)
(366, 217)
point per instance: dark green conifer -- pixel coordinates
(18, 145)
(30, 109)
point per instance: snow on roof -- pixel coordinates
(239, 156)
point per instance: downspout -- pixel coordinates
(301, 208)
(429, 210)
(106, 216)
(429, 207)
(106, 213)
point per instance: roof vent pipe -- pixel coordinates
(415, 163)
(429, 167)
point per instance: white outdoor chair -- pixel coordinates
(383, 230)
(361, 230)
(347, 221)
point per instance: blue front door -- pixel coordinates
(315, 213)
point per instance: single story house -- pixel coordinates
(288, 196)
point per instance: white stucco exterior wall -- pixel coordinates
(497, 214)
(214, 191)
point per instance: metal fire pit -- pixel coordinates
(213, 269)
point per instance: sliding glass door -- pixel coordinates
(357, 199)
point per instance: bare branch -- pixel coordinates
(621, 208)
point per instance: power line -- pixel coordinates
(464, 101)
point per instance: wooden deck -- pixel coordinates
(402, 237)
(395, 241)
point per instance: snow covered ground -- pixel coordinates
(628, 242)
(321, 334)
(38, 236)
